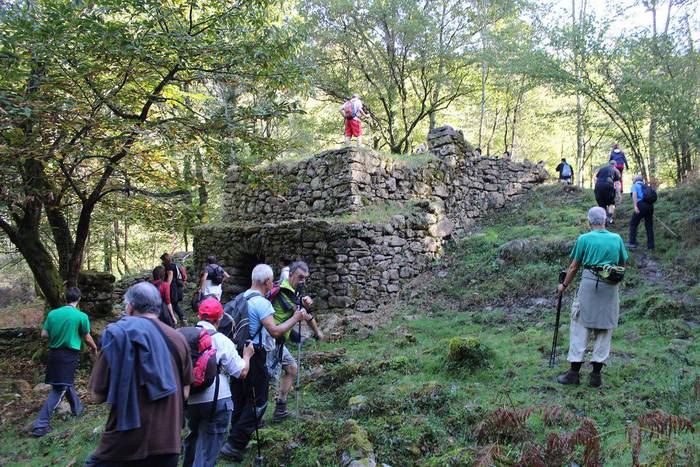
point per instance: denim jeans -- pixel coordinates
(53, 399)
(206, 433)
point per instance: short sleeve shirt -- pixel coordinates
(161, 420)
(259, 308)
(598, 248)
(66, 327)
(637, 188)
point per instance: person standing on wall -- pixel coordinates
(65, 327)
(351, 111)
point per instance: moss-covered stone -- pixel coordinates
(355, 444)
(468, 353)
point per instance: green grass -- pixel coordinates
(420, 410)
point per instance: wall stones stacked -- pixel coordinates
(96, 290)
(359, 265)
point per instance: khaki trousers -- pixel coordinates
(579, 335)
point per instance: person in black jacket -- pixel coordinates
(605, 188)
(566, 172)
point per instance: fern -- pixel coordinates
(504, 424)
(657, 424)
(486, 457)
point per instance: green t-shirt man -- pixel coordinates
(598, 248)
(66, 327)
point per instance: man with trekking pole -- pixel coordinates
(286, 299)
(250, 395)
(596, 306)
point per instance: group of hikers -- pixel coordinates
(608, 191)
(213, 377)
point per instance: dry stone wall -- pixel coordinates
(360, 265)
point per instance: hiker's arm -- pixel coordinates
(570, 273)
(278, 330)
(90, 342)
(44, 333)
(203, 281)
(314, 327)
(226, 275)
(169, 277)
(634, 200)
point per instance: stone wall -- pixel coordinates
(317, 216)
(96, 290)
(349, 179)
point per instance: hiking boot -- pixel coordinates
(280, 412)
(231, 453)
(39, 432)
(595, 380)
(570, 377)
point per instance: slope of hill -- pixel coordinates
(460, 375)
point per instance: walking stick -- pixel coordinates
(300, 292)
(259, 459)
(553, 354)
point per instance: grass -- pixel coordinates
(421, 411)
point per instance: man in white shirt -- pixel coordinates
(209, 421)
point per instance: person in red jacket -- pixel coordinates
(164, 289)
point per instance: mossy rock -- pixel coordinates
(276, 444)
(460, 457)
(468, 353)
(355, 442)
(430, 395)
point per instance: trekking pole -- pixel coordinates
(259, 459)
(300, 291)
(553, 354)
(666, 227)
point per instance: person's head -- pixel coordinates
(211, 259)
(298, 273)
(638, 178)
(158, 273)
(285, 260)
(166, 258)
(597, 216)
(72, 295)
(477, 150)
(563, 159)
(355, 95)
(210, 310)
(261, 278)
(615, 146)
(141, 299)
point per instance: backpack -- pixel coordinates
(215, 274)
(203, 355)
(349, 110)
(649, 194)
(181, 274)
(238, 327)
(566, 171)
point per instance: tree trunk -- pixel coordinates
(201, 187)
(652, 146)
(41, 263)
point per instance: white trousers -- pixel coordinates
(579, 335)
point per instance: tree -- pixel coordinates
(91, 90)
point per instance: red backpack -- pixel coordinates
(203, 354)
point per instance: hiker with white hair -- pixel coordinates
(250, 394)
(351, 111)
(596, 306)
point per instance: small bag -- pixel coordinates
(610, 273)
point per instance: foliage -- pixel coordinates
(467, 353)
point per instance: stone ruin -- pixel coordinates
(365, 223)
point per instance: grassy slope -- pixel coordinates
(418, 412)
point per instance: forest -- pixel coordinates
(119, 119)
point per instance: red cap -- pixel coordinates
(210, 309)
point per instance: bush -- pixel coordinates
(468, 353)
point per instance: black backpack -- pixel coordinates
(203, 355)
(236, 322)
(215, 274)
(649, 194)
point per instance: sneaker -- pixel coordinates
(595, 380)
(231, 453)
(631, 246)
(570, 377)
(280, 412)
(39, 432)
